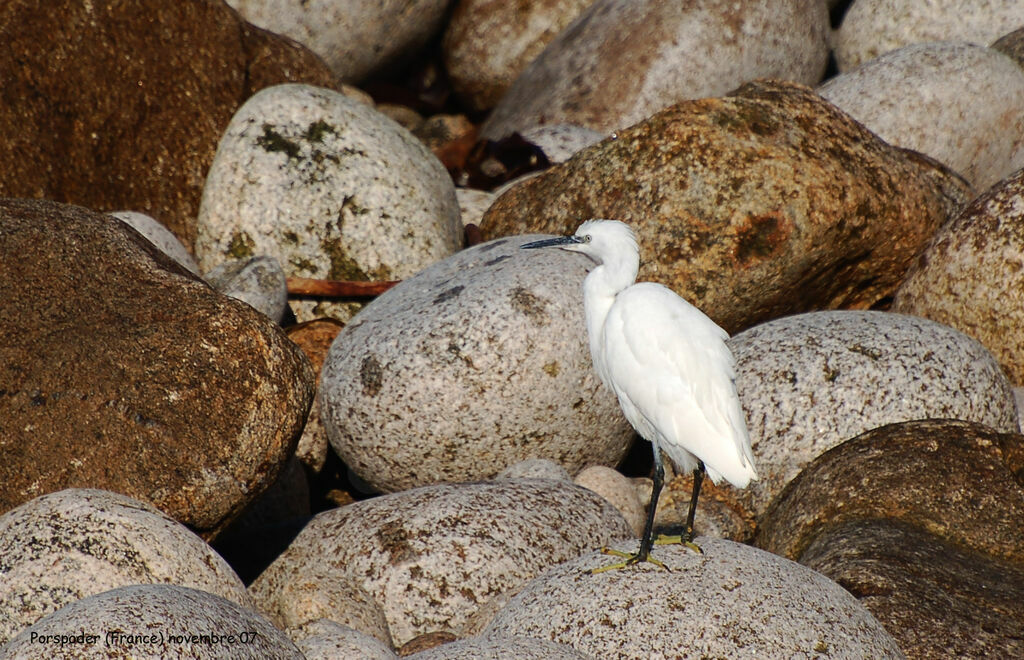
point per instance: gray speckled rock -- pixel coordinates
(971, 275)
(497, 647)
(431, 556)
(259, 281)
(560, 141)
(354, 37)
(810, 381)
(317, 594)
(873, 27)
(535, 468)
(732, 601)
(155, 621)
(474, 364)
(326, 640)
(61, 547)
(329, 187)
(160, 236)
(959, 103)
(597, 74)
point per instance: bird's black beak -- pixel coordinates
(551, 242)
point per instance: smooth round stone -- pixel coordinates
(535, 468)
(874, 27)
(355, 37)
(971, 275)
(496, 646)
(598, 74)
(330, 188)
(473, 365)
(473, 204)
(731, 598)
(619, 490)
(962, 104)
(431, 556)
(808, 382)
(156, 621)
(160, 236)
(259, 282)
(560, 142)
(488, 43)
(62, 547)
(325, 640)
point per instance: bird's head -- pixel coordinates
(602, 240)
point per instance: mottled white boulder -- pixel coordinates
(874, 27)
(354, 37)
(155, 621)
(160, 236)
(971, 275)
(810, 381)
(260, 282)
(962, 104)
(488, 43)
(326, 640)
(496, 647)
(474, 364)
(731, 601)
(431, 556)
(560, 142)
(330, 188)
(602, 74)
(62, 547)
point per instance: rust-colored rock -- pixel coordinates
(766, 202)
(970, 276)
(120, 105)
(936, 599)
(958, 481)
(121, 370)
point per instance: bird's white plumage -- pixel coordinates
(666, 361)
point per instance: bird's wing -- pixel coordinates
(671, 363)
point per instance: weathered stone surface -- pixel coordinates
(766, 202)
(138, 378)
(259, 282)
(956, 480)
(535, 468)
(874, 27)
(598, 74)
(326, 640)
(619, 491)
(329, 187)
(157, 621)
(125, 112)
(65, 546)
(314, 338)
(808, 382)
(431, 556)
(355, 37)
(488, 43)
(474, 364)
(937, 600)
(732, 600)
(970, 276)
(496, 646)
(922, 97)
(160, 236)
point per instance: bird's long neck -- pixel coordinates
(600, 287)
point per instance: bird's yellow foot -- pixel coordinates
(661, 539)
(630, 560)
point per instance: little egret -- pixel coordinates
(667, 363)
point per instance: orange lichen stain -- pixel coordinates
(760, 238)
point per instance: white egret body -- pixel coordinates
(667, 363)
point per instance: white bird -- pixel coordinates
(667, 363)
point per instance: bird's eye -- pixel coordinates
(586, 238)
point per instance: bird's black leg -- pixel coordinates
(647, 540)
(698, 479)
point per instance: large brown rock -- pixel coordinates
(120, 105)
(122, 371)
(766, 202)
(936, 599)
(956, 480)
